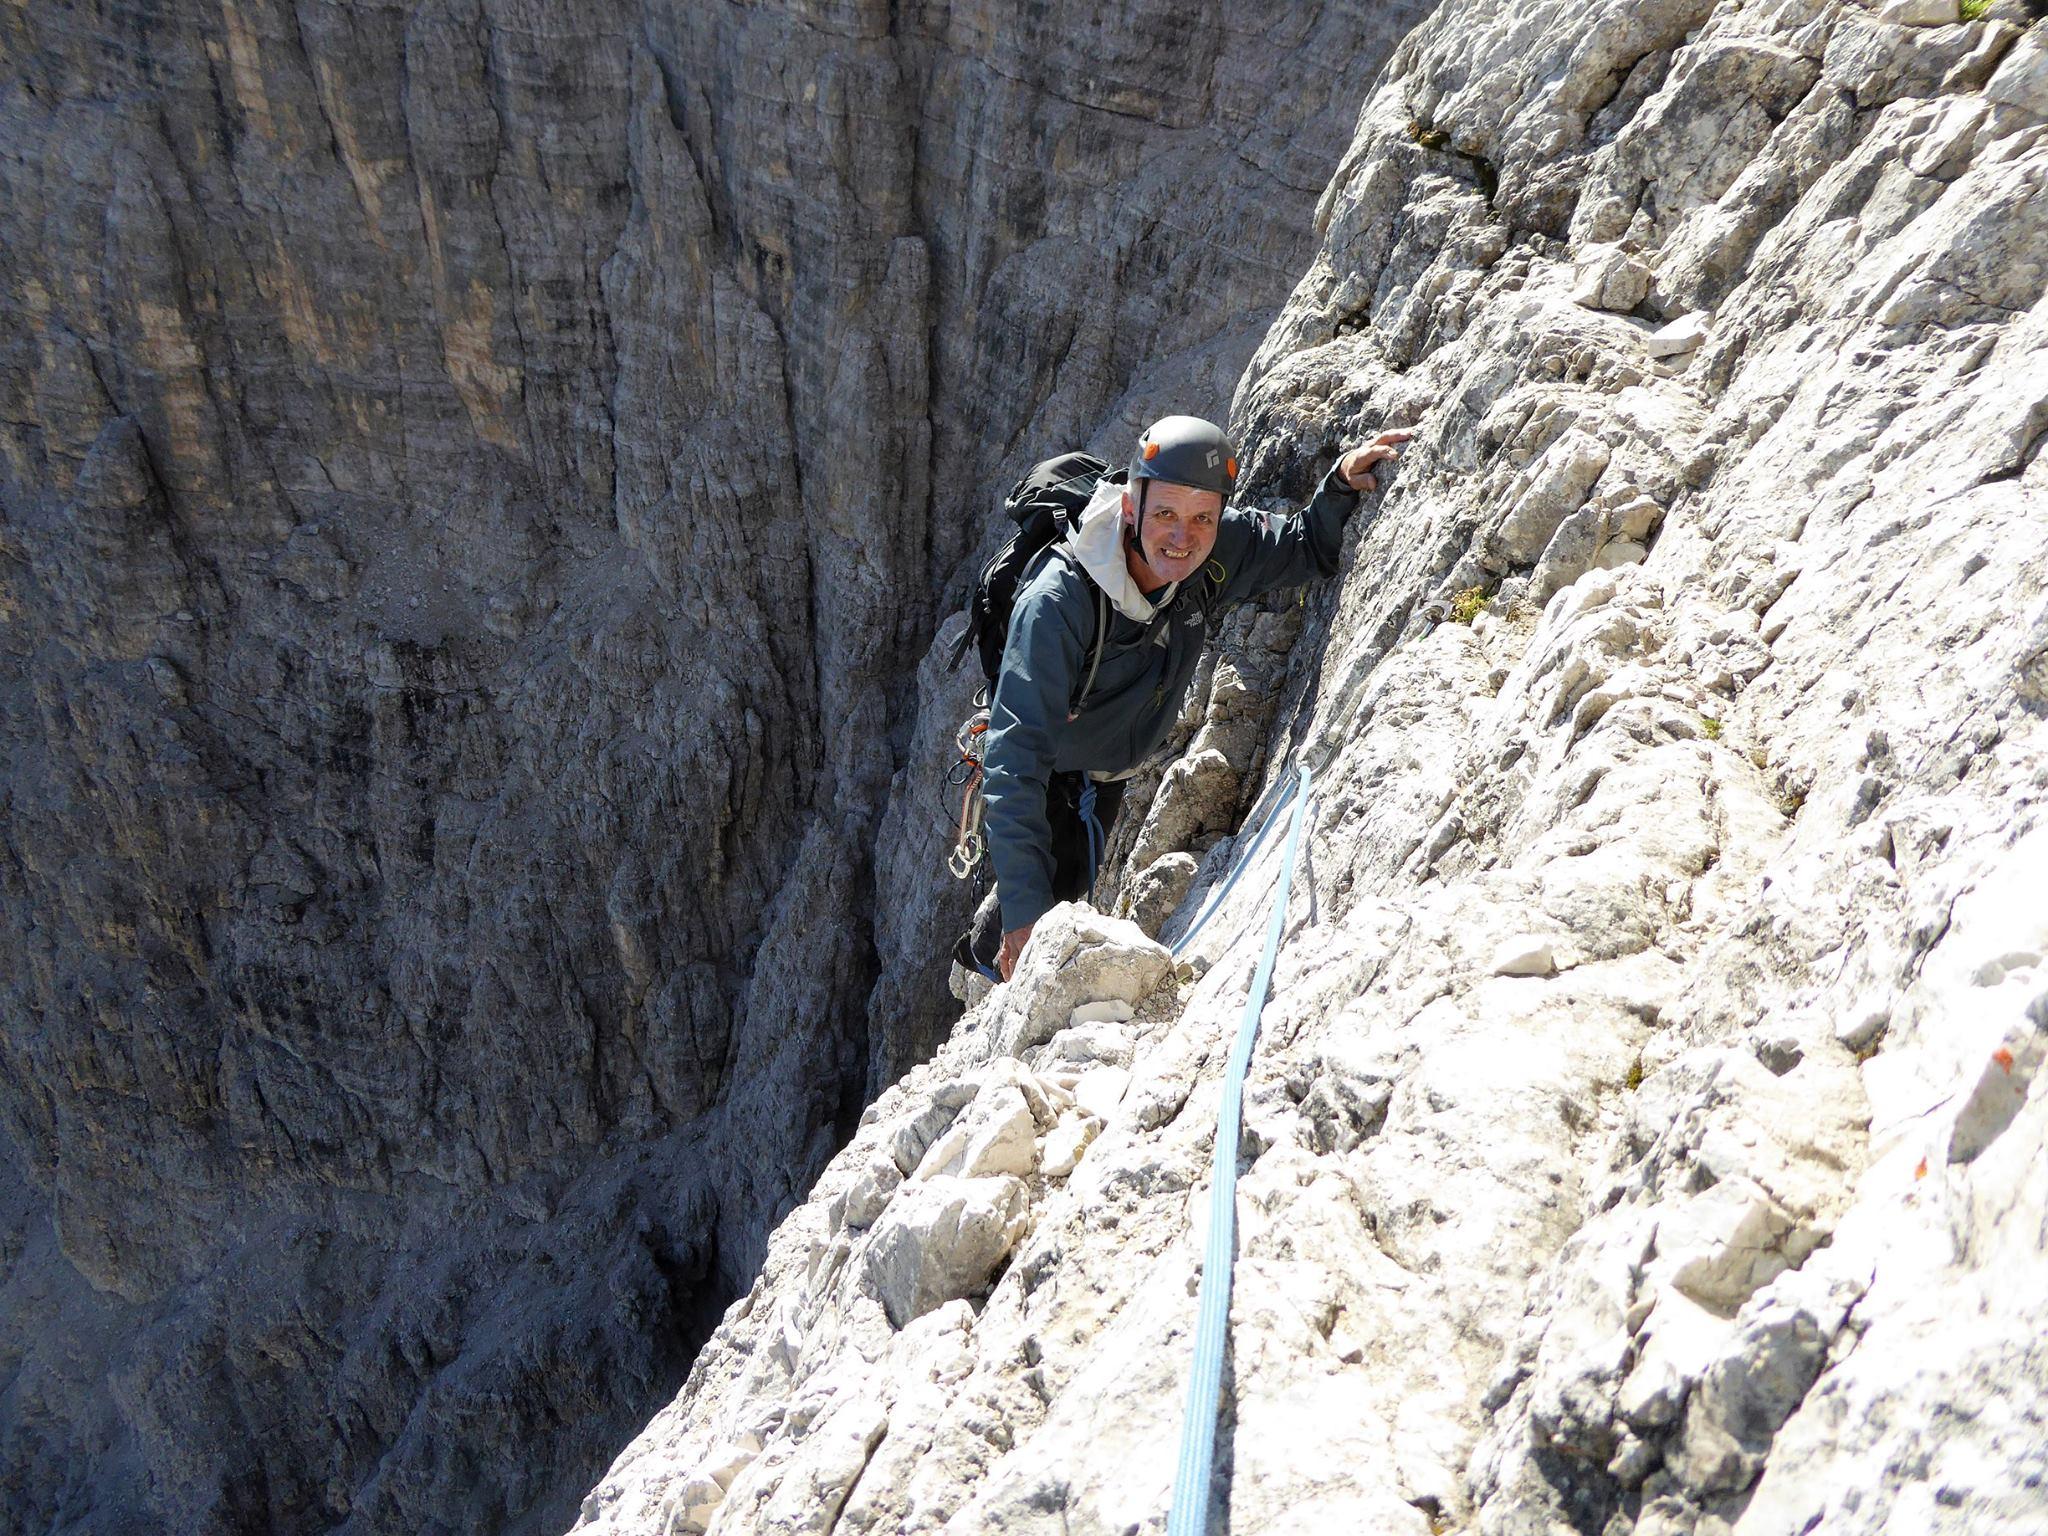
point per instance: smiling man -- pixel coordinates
(1156, 556)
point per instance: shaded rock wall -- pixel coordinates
(474, 480)
(1649, 1128)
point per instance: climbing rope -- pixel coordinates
(1241, 858)
(1190, 1510)
(1091, 827)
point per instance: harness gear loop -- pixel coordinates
(968, 843)
(967, 851)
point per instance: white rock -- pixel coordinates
(1066, 1142)
(1076, 956)
(871, 1189)
(911, 1137)
(1681, 335)
(1619, 552)
(1920, 13)
(1158, 889)
(2021, 80)
(1679, 1341)
(1107, 1011)
(1720, 1246)
(996, 1134)
(1635, 519)
(941, 1239)
(1100, 1090)
(691, 1506)
(1526, 954)
(1089, 1044)
(1556, 486)
(1611, 279)
(828, 1461)
(1005, 1142)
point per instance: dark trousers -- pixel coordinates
(1078, 841)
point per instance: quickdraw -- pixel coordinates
(966, 774)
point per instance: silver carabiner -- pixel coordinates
(974, 726)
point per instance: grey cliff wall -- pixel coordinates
(476, 479)
(1649, 1130)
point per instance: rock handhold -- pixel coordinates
(869, 1193)
(1101, 1090)
(1161, 887)
(996, 1135)
(1199, 793)
(1764, 1372)
(1076, 956)
(1619, 552)
(1557, 486)
(1998, 1094)
(1068, 1141)
(1677, 338)
(1611, 279)
(941, 1239)
(1727, 1241)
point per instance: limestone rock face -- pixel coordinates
(476, 479)
(1649, 1129)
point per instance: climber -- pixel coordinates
(1166, 549)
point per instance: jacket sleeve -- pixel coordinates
(1041, 663)
(1261, 552)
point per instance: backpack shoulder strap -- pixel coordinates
(1094, 661)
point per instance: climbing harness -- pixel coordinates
(966, 775)
(1189, 1514)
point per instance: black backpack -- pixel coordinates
(1045, 505)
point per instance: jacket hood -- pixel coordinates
(1097, 542)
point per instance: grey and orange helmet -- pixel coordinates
(1186, 450)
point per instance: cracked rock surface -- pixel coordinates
(1649, 1129)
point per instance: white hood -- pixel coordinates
(1098, 543)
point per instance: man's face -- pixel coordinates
(1179, 529)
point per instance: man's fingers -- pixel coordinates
(1397, 435)
(1367, 485)
(1012, 950)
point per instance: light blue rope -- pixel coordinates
(1190, 1512)
(1240, 860)
(1092, 827)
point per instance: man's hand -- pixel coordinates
(1013, 946)
(1355, 467)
